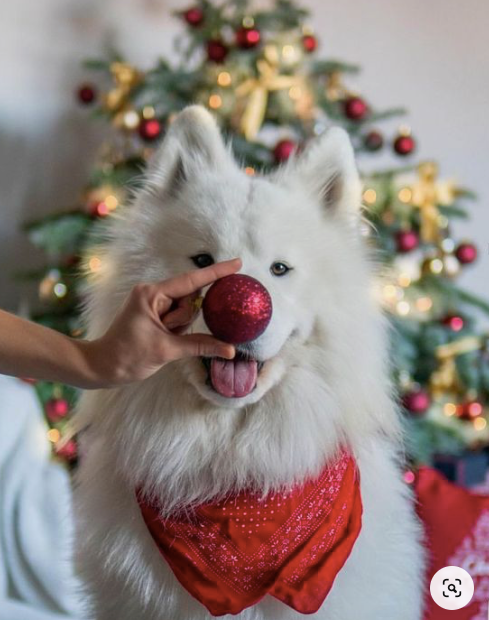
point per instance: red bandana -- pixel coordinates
(230, 554)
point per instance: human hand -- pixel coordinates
(149, 329)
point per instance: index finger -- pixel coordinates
(192, 281)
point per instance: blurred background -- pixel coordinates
(431, 58)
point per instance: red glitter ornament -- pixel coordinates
(416, 401)
(310, 43)
(246, 38)
(150, 129)
(194, 16)
(406, 241)
(56, 409)
(67, 451)
(237, 308)
(466, 253)
(454, 322)
(404, 145)
(86, 94)
(355, 108)
(283, 150)
(217, 50)
(469, 410)
(373, 141)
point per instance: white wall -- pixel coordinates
(431, 57)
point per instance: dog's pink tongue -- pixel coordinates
(233, 378)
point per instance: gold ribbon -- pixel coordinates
(427, 195)
(126, 77)
(257, 90)
(445, 378)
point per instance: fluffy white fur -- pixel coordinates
(324, 382)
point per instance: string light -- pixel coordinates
(474, 409)
(111, 202)
(148, 112)
(288, 51)
(215, 102)
(60, 290)
(409, 477)
(131, 119)
(248, 21)
(404, 280)
(53, 435)
(480, 424)
(405, 195)
(436, 266)
(370, 196)
(403, 308)
(390, 292)
(250, 170)
(448, 245)
(449, 409)
(423, 304)
(224, 78)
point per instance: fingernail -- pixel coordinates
(228, 352)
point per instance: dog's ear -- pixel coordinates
(328, 169)
(192, 145)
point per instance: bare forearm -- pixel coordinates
(31, 350)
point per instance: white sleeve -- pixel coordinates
(37, 581)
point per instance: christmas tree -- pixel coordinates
(259, 73)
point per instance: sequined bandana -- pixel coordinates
(230, 554)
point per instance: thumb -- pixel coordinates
(200, 345)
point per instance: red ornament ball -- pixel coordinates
(150, 129)
(469, 410)
(310, 43)
(246, 38)
(404, 145)
(416, 402)
(86, 94)
(56, 409)
(355, 108)
(67, 451)
(217, 50)
(466, 253)
(373, 141)
(283, 150)
(406, 241)
(194, 16)
(454, 322)
(237, 308)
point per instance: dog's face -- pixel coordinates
(290, 230)
(296, 232)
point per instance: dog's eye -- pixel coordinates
(202, 260)
(279, 268)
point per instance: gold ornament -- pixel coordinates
(257, 91)
(445, 379)
(427, 195)
(126, 77)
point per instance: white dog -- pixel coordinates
(321, 390)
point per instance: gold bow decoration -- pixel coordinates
(126, 77)
(445, 378)
(427, 194)
(257, 91)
